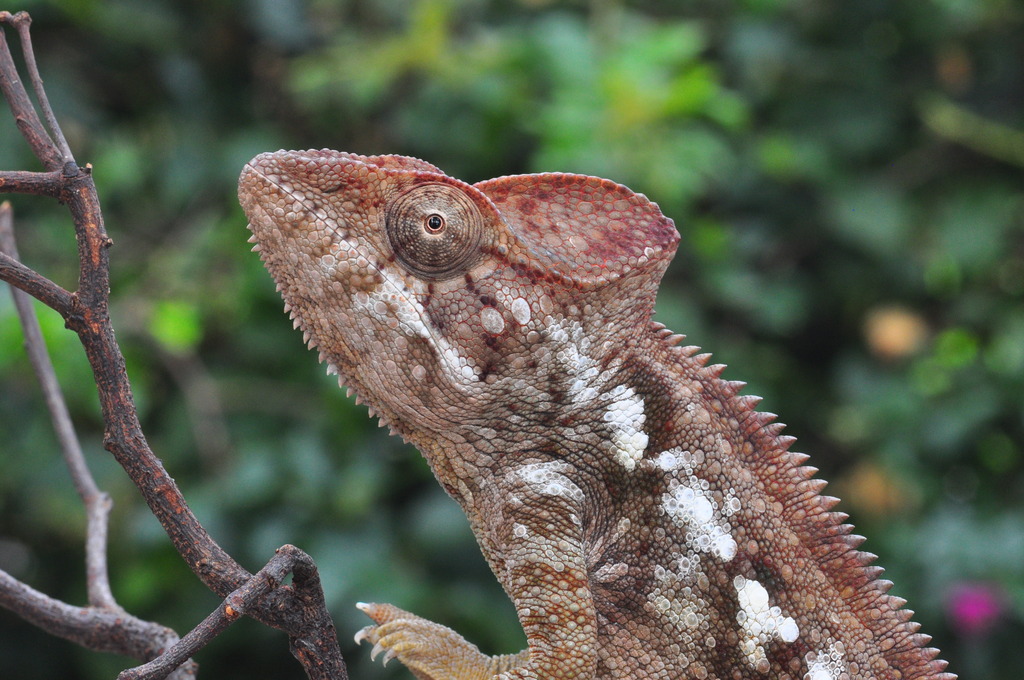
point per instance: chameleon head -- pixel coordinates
(435, 299)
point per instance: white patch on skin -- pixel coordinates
(521, 311)
(491, 320)
(673, 459)
(611, 572)
(581, 390)
(623, 408)
(391, 306)
(689, 503)
(547, 479)
(621, 529)
(520, 530)
(827, 664)
(626, 417)
(731, 505)
(386, 300)
(760, 622)
(672, 596)
(570, 346)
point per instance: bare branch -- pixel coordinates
(316, 645)
(103, 625)
(21, 106)
(21, 22)
(98, 628)
(97, 503)
(165, 664)
(253, 594)
(298, 609)
(36, 285)
(40, 183)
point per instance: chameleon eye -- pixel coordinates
(434, 230)
(435, 224)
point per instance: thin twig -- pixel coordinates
(197, 638)
(313, 648)
(21, 106)
(104, 625)
(234, 607)
(97, 503)
(88, 315)
(982, 135)
(101, 629)
(22, 21)
(36, 285)
(40, 183)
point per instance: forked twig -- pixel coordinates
(22, 21)
(288, 560)
(21, 106)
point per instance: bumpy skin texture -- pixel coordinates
(645, 519)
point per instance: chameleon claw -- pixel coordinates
(388, 656)
(362, 634)
(377, 649)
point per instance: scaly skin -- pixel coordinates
(645, 519)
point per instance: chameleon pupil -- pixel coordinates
(435, 223)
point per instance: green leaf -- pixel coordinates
(176, 325)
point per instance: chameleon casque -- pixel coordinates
(645, 519)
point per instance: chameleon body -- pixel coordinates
(645, 519)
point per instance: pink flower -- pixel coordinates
(974, 608)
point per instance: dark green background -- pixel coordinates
(839, 171)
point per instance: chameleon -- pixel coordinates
(645, 519)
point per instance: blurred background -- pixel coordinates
(846, 177)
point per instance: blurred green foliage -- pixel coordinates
(846, 177)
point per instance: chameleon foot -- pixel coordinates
(431, 651)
